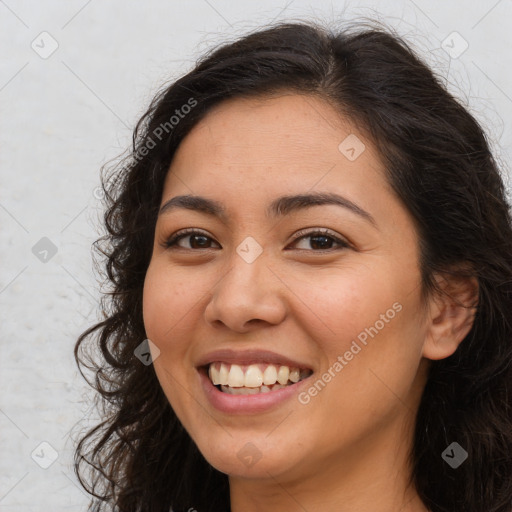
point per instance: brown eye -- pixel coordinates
(196, 240)
(320, 240)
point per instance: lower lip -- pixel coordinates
(247, 404)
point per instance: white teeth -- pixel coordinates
(214, 375)
(236, 377)
(234, 380)
(250, 391)
(223, 374)
(294, 375)
(242, 391)
(253, 377)
(283, 374)
(270, 375)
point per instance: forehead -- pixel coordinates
(287, 140)
(287, 126)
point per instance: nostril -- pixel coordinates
(254, 321)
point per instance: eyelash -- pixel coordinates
(172, 241)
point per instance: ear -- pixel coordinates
(451, 315)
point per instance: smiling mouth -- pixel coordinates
(254, 379)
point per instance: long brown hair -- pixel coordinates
(139, 458)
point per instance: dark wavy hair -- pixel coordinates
(438, 161)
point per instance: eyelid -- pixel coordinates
(171, 241)
(304, 233)
(343, 243)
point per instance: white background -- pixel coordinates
(63, 116)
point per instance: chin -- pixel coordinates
(257, 465)
(254, 456)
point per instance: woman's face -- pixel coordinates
(302, 264)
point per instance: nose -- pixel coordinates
(248, 296)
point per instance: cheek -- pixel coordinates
(362, 323)
(339, 304)
(168, 302)
(168, 307)
(365, 322)
(168, 313)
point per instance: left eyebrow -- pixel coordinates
(279, 207)
(287, 204)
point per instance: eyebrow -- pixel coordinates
(279, 207)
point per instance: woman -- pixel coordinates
(310, 253)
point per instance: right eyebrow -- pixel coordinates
(281, 206)
(197, 203)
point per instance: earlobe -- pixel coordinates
(451, 315)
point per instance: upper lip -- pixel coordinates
(245, 357)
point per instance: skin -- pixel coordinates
(347, 448)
